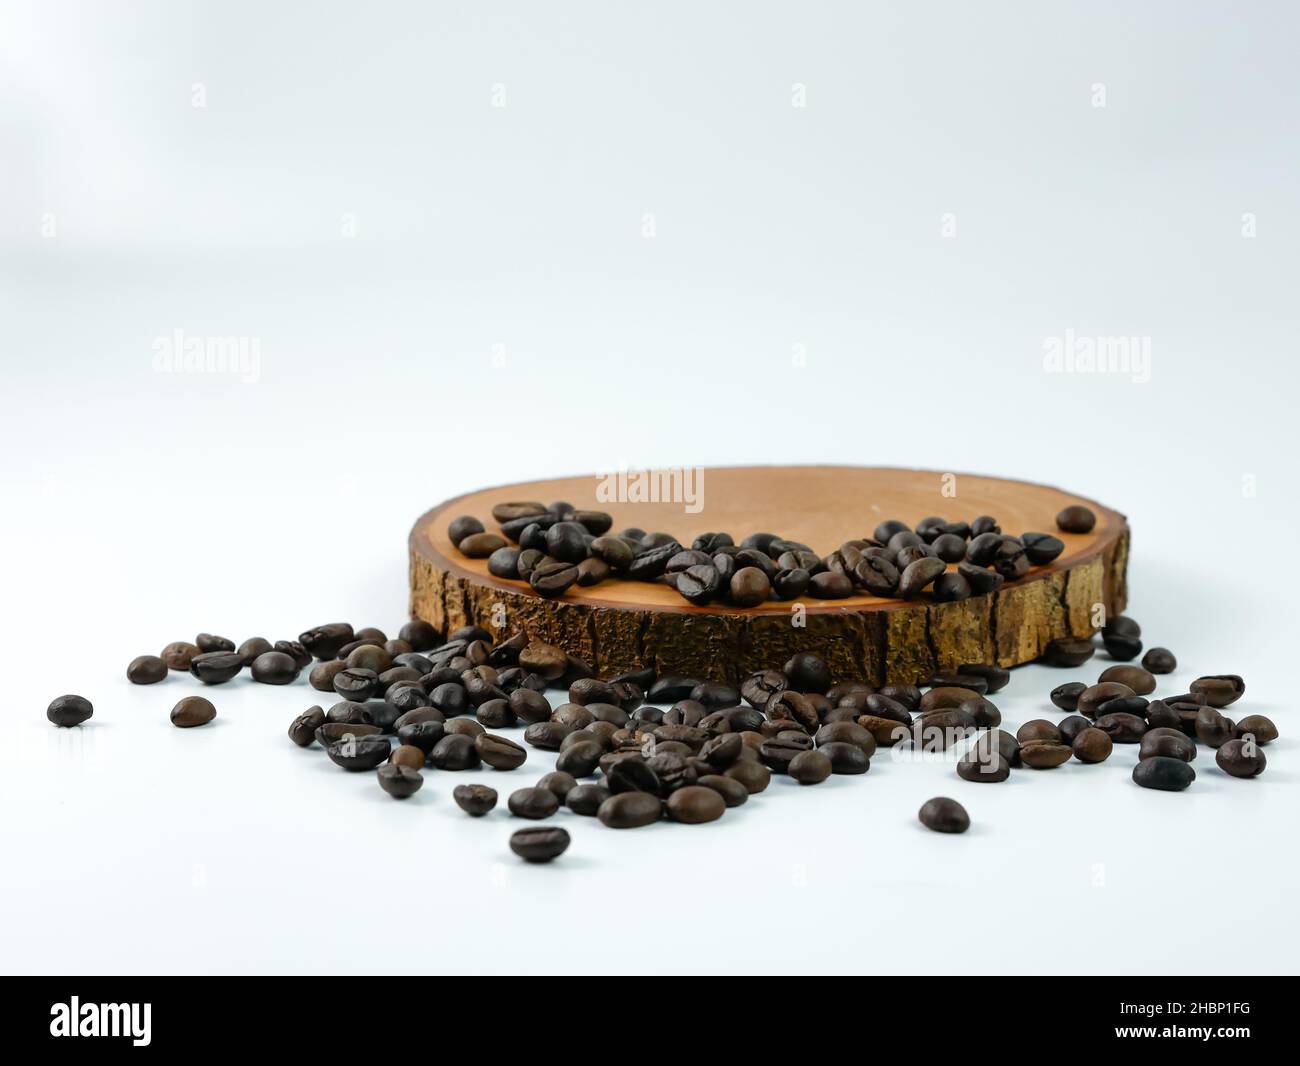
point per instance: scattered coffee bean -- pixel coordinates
(146, 670)
(408, 755)
(499, 753)
(534, 803)
(1068, 652)
(1240, 758)
(1091, 745)
(1163, 774)
(1167, 742)
(1076, 519)
(274, 668)
(358, 752)
(67, 711)
(192, 711)
(630, 810)
(944, 815)
(1044, 754)
(216, 667)
(1219, 690)
(462, 527)
(474, 800)
(208, 642)
(455, 751)
(540, 844)
(1160, 661)
(1257, 726)
(695, 805)
(586, 799)
(809, 767)
(399, 780)
(1067, 696)
(179, 654)
(480, 545)
(1139, 679)
(302, 730)
(1213, 729)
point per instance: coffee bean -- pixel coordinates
(916, 576)
(845, 732)
(749, 587)
(67, 711)
(179, 654)
(944, 815)
(419, 634)
(877, 575)
(1038, 729)
(943, 697)
(1122, 728)
(1011, 561)
(809, 767)
(844, 758)
(1140, 680)
(1164, 774)
(1044, 754)
(695, 805)
(356, 684)
(983, 766)
(512, 509)
(950, 587)
(758, 688)
(1041, 548)
(1119, 647)
(325, 641)
(358, 752)
(828, 585)
(541, 844)
(1076, 519)
(1094, 697)
(580, 759)
(302, 730)
(1068, 652)
(1091, 745)
(753, 775)
(462, 527)
(1167, 742)
(1213, 729)
(1241, 758)
(533, 803)
(630, 810)
(423, 734)
(1256, 726)
(504, 563)
(455, 751)
(193, 711)
(1219, 690)
(146, 670)
(585, 799)
(652, 562)
(1067, 696)
(499, 753)
(274, 668)
(795, 707)
(1071, 727)
(208, 642)
(399, 780)
(322, 675)
(1160, 661)
(474, 800)
(982, 581)
(805, 672)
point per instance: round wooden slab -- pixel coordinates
(624, 625)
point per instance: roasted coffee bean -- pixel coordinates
(1011, 561)
(325, 641)
(548, 736)
(407, 697)
(1122, 728)
(700, 584)
(495, 714)
(777, 753)
(632, 775)
(753, 775)
(944, 815)
(480, 545)
(559, 783)
(545, 659)
(335, 731)
(358, 752)
(581, 759)
(983, 549)
(535, 803)
(455, 751)
(671, 689)
(1038, 729)
(614, 552)
(1091, 745)
(845, 732)
(1219, 690)
(1213, 729)
(714, 694)
(302, 730)
(651, 563)
(949, 547)
(1067, 696)
(462, 527)
(795, 707)
(950, 587)
(539, 845)
(1071, 727)
(807, 673)
(407, 755)
(885, 731)
(1159, 713)
(733, 793)
(512, 509)
(146, 670)
(348, 712)
(208, 642)
(758, 688)
(417, 715)
(474, 800)
(940, 730)
(550, 580)
(419, 634)
(983, 766)
(1076, 519)
(1162, 773)
(1241, 758)
(179, 654)
(749, 587)
(356, 684)
(504, 563)
(300, 656)
(463, 727)
(1160, 661)
(322, 675)
(216, 667)
(1167, 742)
(1260, 729)
(67, 711)
(790, 584)
(916, 576)
(828, 585)
(1044, 754)
(499, 753)
(1041, 548)
(1092, 699)
(423, 735)
(972, 683)
(400, 782)
(586, 799)
(1067, 652)
(695, 805)
(1120, 647)
(844, 759)
(1140, 680)
(943, 697)
(592, 572)
(369, 657)
(673, 771)
(982, 581)
(274, 668)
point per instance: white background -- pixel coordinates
(647, 257)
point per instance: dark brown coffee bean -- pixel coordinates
(539, 845)
(146, 670)
(69, 711)
(829, 585)
(1140, 680)
(536, 803)
(844, 758)
(545, 659)
(1071, 727)
(695, 805)
(808, 767)
(887, 732)
(419, 634)
(983, 766)
(1219, 690)
(480, 545)
(356, 753)
(1091, 700)
(982, 581)
(423, 735)
(1011, 561)
(455, 751)
(504, 563)
(1038, 729)
(917, 575)
(1122, 728)
(325, 641)
(559, 782)
(550, 580)
(274, 668)
(1167, 742)
(1067, 696)
(1076, 519)
(1068, 652)
(1213, 729)
(209, 642)
(753, 775)
(474, 800)
(630, 810)
(1044, 754)
(322, 675)
(399, 780)
(179, 654)
(499, 753)
(749, 587)
(512, 509)
(995, 677)
(1256, 726)
(193, 711)
(1163, 774)
(461, 527)
(944, 815)
(846, 732)
(302, 730)
(1160, 661)
(733, 793)
(950, 587)
(585, 799)
(1240, 758)
(1091, 745)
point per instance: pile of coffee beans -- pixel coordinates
(557, 546)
